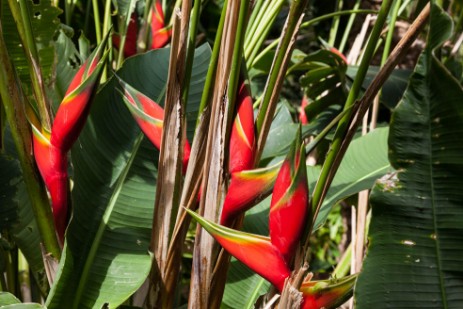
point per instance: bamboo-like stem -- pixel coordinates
(362, 106)
(191, 48)
(221, 266)
(96, 19)
(206, 249)
(14, 101)
(21, 16)
(211, 73)
(169, 175)
(262, 33)
(277, 74)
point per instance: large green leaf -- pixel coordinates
(393, 88)
(416, 234)
(365, 161)
(16, 214)
(9, 301)
(45, 23)
(10, 178)
(106, 255)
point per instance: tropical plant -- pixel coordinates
(232, 114)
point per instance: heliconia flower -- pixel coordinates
(302, 115)
(160, 35)
(246, 189)
(149, 116)
(52, 165)
(255, 251)
(242, 134)
(130, 47)
(327, 293)
(289, 205)
(337, 52)
(74, 108)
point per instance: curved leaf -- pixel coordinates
(9, 301)
(416, 233)
(106, 256)
(364, 162)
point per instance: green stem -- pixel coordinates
(386, 51)
(120, 56)
(14, 101)
(237, 57)
(262, 32)
(390, 32)
(335, 26)
(256, 21)
(256, 9)
(353, 95)
(343, 267)
(96, 19)
(191, 49)
(274, 82)
(350, 22)
(310, 23)
(20, 14)
(210, 78)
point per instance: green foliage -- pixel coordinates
(416, 235)
(106, 258)
(44, 24)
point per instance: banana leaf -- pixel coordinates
(415, 248)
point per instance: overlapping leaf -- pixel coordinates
(106, 258)
(416, 234)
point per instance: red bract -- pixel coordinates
(73, 110)
(246, 189)
(327, 293)
(50, 151)
(52, 164)
(149, 116)
(302, 115)
(255, 251)
(160, 36)
(289, 205)
(130, 47)
(337, 52)
(242, 134)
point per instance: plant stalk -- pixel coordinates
(277, 74)
(211, 73)
(362, 106)
(21, 16)
(341, 130)
(14, 101)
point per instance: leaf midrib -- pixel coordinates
(433, 205)
(104, 222)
